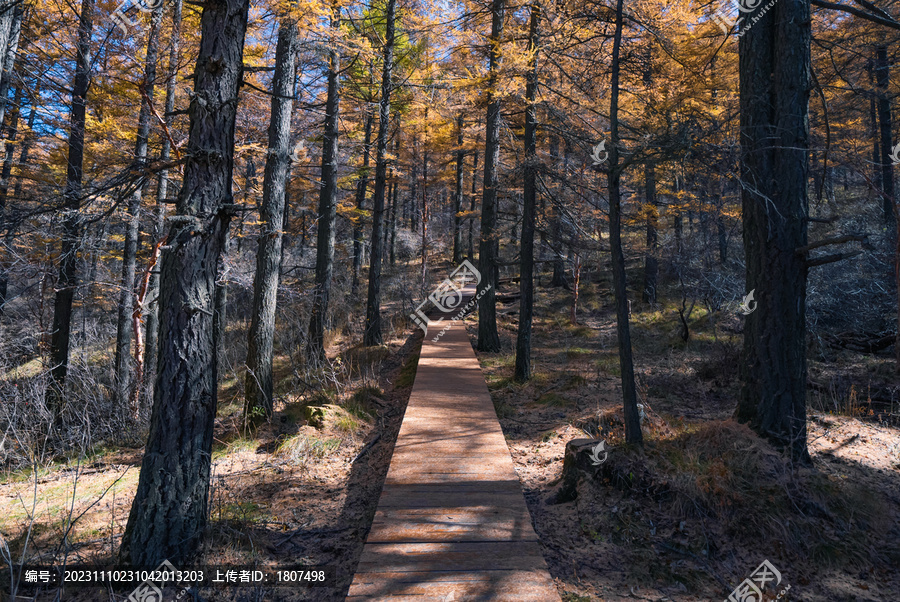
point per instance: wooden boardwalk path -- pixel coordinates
(451, 522)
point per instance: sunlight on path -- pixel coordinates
(451, 522)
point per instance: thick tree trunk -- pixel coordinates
(372, 335)
(529, 197)
(458, 195)
(258, 385)
(882, 79)
(68, 257)
(151, 316)
(626, 363)
(361, 187)
(325, 234)
(774, 86)
(125, 325)
(651, 261)
(488, 247)
(169, 512)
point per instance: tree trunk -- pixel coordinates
(775, 84)
(458, 196)
(6, 228)
(472, 198)
(169, 512)
(372, 335)
(125, 325)
(651, 261)
(395, 197)
(9, 153)
(361, 186)
(425, 200)
(10, 29)
(882, 79)
(488, 247)
(529, 197)
(220, 313)
(258, 385)
(678, 219)
(68, 257)
(626, 363)
(315, 344)
(558, 278)
(874, 129)
(151, 318)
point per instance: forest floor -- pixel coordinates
(689, 518)
(707, 501)
(293, 494)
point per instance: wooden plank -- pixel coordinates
(485, 585)
(451, 522)
(451, 556)
(397, 497)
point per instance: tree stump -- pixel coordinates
(579, 462)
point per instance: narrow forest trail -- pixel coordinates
(451, 522)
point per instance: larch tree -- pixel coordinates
(774, 101)
(620, 285)
(151, 306)
(327, 210)
(489, 243)
(125, 325)
(529, 195)
(68, 258)
(169, 513)
(258, 384)
(373, 334)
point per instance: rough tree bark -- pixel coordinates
(151, 315)
(488, 247)
(258, 385)
(124, 324)
(325, 234)
(774, 104)
(626, 363)
(372, 335)
(529, 197)
(68, 257)
(169, 512)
